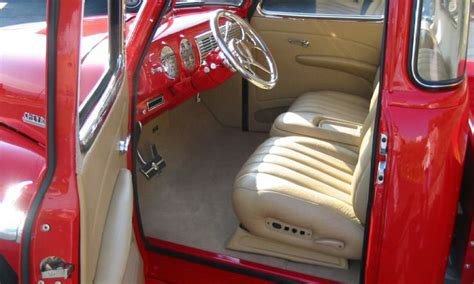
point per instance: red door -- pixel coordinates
(424, 114)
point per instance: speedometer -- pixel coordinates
(187, 54)
(169, 63)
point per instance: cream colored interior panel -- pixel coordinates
(134, 273)
(225, 102)
(97, 175)
(341, 56)
(117, 237)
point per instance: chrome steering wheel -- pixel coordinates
(240, 44)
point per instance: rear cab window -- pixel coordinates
(324, 8)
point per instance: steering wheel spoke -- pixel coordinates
(240, 50)
(261, 67)
(227, 27)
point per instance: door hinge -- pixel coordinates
(383, 163)
(54, 267)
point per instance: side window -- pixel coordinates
(470, 52)
(95, 55)
(101, 64)
(440, 42)
(325, 8)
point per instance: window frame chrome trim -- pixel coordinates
(413, 55)
(295, 15)
(95, 117)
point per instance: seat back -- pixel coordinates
(377, 7)
(361, 178)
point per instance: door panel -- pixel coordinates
(119, 259)
(98, 171)
(340, 55)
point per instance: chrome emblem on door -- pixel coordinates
(34, 119)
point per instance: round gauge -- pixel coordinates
(169, 63)
(187, 54)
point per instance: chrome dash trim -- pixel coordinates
(206, 43)
(296, 15)
(93, 123)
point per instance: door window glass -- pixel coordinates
(95, 56)
(439, 51)
(101, 63)
(470, 52)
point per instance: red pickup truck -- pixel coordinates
(236, 141)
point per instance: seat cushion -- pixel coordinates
(304, 184)
(328, 115)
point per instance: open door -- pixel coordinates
(107, 246)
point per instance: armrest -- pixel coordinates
(346, 127)
(319, 127)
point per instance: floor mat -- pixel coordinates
(190, 202)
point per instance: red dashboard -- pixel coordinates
(180, 63)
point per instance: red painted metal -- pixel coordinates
(188, 83)
(467, 275)
(414, 211)
(60, 206)
(22, 89)
(16, 151)
(172, 269)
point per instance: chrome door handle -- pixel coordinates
(300, 42)
(123, 145)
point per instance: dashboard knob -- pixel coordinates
(156, 70)
(206, 69)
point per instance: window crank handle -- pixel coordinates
(300, 42)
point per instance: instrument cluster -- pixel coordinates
(179, 64)
(187, 54)
(169, 63)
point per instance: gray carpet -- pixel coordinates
(190, 203)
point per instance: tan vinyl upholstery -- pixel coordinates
(342, 56)
(431, 65)
(318, 189)
(338, 7)
(377, 7)
(327, 115)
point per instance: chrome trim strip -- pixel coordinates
(94, 89)
(96, 118)
(212, 41)
(292, 15)
(414, 48)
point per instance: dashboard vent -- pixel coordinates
(206, 42)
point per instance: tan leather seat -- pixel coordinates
(327, 115)
(431, 65)
(377, 7)
(304, 199)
